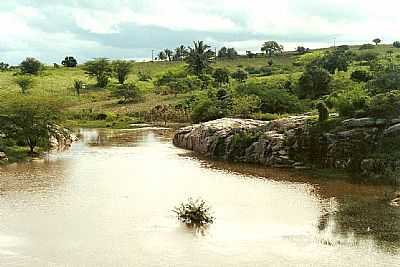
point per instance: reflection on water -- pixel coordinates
(108, 200)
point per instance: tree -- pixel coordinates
(31, 120)
(122, 69)
(377, 41)
(271, 48)
(25, 83)
(78, 86)
(232, 53)
(337, 60)
(396, 44)
(101, 69)
(314, 82)
(69, 62)
(4, 66)
(301, 50)
(129, 92)
(240, 75)
(200, 58)
(227, 53)
(221, 76)
(31, 66)
(162, 56)
(180, 53)
(169, 54)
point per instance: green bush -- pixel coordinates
(240, 75)
(314, 82)
(129, 92)
(385, 105)
(361, 76)
(279, 101)
(31, 66)
(101, 69)
(205, 109)
(348, 102)
(25, 83)
(385, 81)
(195, 212)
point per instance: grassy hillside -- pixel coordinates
(59, 81)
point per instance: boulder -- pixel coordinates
(363, 122)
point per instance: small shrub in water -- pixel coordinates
(194, 212)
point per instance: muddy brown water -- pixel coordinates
(107, 202)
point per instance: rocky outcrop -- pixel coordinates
(242, 140)
(298, 142)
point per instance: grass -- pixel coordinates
(59, 82)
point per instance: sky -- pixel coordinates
(130, 29)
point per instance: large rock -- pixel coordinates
(363, 122)
(241, 139)
(393, 130)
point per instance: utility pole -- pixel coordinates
(152, 55)
(215, 54)
(334, 42)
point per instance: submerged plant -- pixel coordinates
(194, 212)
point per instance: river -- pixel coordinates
(107, 201)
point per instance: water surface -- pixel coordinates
(107, 202)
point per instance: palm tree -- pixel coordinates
(180, 52)
(169, 54)
(199, 58)
(162, 56)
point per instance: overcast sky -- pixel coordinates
(52, 29)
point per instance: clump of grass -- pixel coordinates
(195, 212)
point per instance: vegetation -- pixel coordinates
(69, 62)
(31, 66)
(101, 69)
(195, 86)
(195, 212)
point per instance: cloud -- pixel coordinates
(51, 29)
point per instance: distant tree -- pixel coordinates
(343, 48)
(69, 62)
(396, 44)
(180, 53)
(223, 52)
(270, 62)
(232, 53)
(121, 69)
(25, 83)
(199, 58)
(129, 92)
(31, 66)
(169, 53)
(221, 76)
(240, 75)
(162, 56)
(227, 53)
(301, 50)
(271, 48)
(4, 66)
(101, 69)
(250, 54)
(314, 82)
(144, 76)
(78, 86)
(336, 60)
(377, 41)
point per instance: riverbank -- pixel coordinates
(365, 148)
